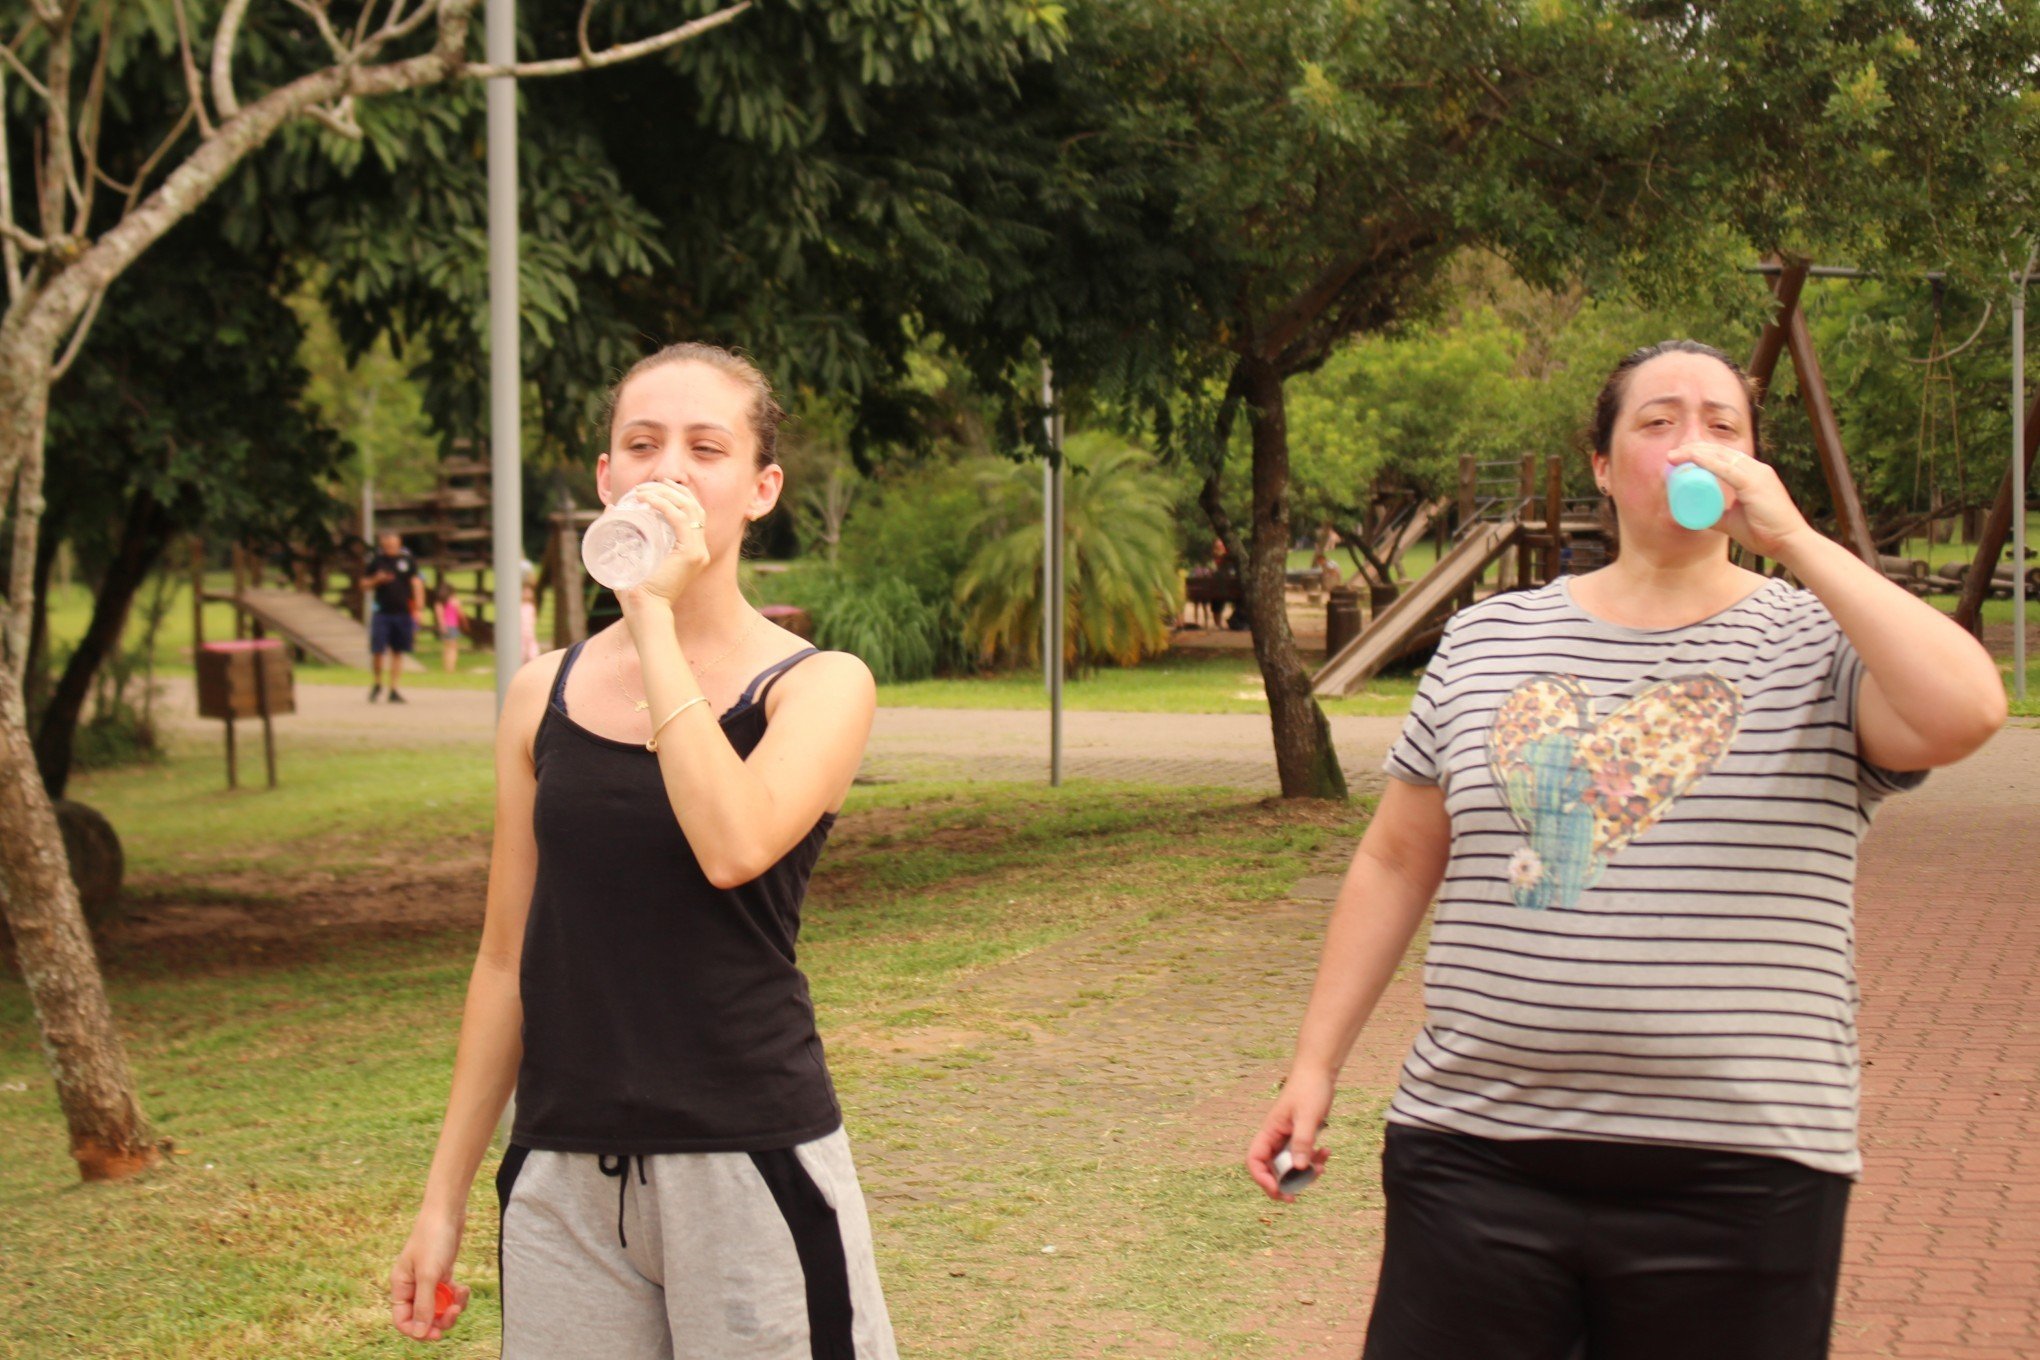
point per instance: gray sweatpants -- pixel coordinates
(690, 1256)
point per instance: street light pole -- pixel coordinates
(2019, 475)
(1052, 587)
(506, 480)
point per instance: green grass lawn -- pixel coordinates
(304, 1094)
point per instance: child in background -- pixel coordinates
(451, 621)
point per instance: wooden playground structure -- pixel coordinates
(1531, 533)
(318, 606)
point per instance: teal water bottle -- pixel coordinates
(1695, 494)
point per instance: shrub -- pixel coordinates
(1121, 572)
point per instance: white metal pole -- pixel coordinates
(1052, 575)
(506, 482)
(2019, 480)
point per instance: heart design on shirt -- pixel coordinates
(1580, 790)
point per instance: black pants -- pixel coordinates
(1557, 1249)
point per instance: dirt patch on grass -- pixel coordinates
(262, 919)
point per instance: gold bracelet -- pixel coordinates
(653, 744)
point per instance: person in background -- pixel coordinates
(399, 601)
(451, 620)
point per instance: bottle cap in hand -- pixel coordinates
(1290, 1178)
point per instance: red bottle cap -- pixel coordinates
(442, 1299)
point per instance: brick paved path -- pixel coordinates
(1943, 1253)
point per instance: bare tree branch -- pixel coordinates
(63, 365)
(70, 291)
(16, 236)
(56, 174)
(191, 77)
(614, 55)
(92, 122)
(10, 248)
(133, 190)
(242, 130)
(338, 119)
(224, 38)
(581, 29)
(361, 24)
(7, 51)
(398, 25)
(342, 53)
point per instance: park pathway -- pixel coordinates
(1943, 1252)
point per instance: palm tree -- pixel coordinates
(1120, 535)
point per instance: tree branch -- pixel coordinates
(11, 242)
(398, 25)
(7, 51)
(34, 245)
(93, 118)
(133, 190)
(242, 130)
(611, 56)
(342, 53)
(191, 77)
(57, 174)
(339, 119)
(63, 365)
(224, 38)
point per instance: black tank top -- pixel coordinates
(661, 1013)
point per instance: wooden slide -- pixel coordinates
(330, 634)
(1391, 632)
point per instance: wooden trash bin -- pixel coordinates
(248, 678)
(1342, 618)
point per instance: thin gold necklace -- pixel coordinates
(640, 705)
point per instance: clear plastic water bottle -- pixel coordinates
(625, 545)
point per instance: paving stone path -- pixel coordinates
(1178, 1054)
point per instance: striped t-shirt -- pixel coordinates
(1646, 929)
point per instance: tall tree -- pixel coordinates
(1322, 163)
(71, 223)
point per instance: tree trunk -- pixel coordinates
(1211, 495)
(109, 1138)
(142, 538)
(35, 677)
(1304, 757)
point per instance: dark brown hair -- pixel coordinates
(766, 413)
(1608, 405)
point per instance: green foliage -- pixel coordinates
(189, 390)
(812, 183)
(880, 619)
(1121, 564)
(371, 402)
(1870, 336)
